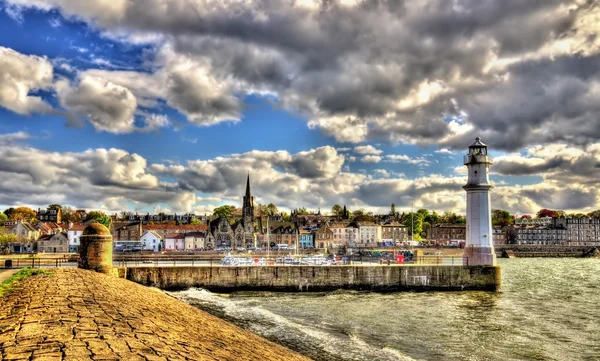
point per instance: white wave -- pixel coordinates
(270, 324)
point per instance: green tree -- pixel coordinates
(99, 217)
(337, 210)
(362, 216)
(595, 213)
(222, 211)
(393, 212)
(414, 222)
(432, 218)
(452, 218)
(55, 207)
(3, 218)
(285, 216)
(8, 211)
(195, 221)
(301, 211)
(501, 218)
(69, 214)
(22, 213)
(272, 209)
(6, 239)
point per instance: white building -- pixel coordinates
(74, 235)
(151, 241)
(479, 247)
(175, 242)
(194, 241)
(369, 234)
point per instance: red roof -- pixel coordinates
(175, 227)
(77, 227)
(175, 235)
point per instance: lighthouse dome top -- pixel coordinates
(478, 143)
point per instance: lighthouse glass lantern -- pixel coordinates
(479, 246)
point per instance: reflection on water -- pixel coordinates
(548, 309)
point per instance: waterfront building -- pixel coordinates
(479, 246)
(584, 231)
(163, 229)
(49, 215)
(53, 243)
(194, 241)
(74, 236)
(175, 242)
(394, 233)
(306, 239)
(323, 237)
(499, 237)
(26, 235)
(447, 233)
(151, 241)
(369, 234)
(126, 231)
(345, 234)
(284, 234)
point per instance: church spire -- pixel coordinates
(248, 195)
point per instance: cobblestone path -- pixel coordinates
(81, 315)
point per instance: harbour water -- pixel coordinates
(548, 309)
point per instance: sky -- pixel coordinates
(164, 105)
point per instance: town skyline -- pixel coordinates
(109, 108)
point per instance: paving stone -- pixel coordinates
(75, 314)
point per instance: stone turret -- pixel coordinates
(96, 249)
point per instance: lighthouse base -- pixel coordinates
(475, 256)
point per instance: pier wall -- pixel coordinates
(530, 250)
(318, 278)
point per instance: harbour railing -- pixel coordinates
(45, 262)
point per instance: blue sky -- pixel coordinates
(298, 96)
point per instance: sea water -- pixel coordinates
(548, 309)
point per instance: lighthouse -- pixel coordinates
(479, 247)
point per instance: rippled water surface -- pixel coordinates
(548, 309)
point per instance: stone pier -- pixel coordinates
(319, 278)
(76, 314)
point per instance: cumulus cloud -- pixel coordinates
(426, 72)
(114, 179)
(95, 178)
(107, 106)
(20, 76)
(10, 138)
(367, 149)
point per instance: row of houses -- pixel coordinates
(584, 231)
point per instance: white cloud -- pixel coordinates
(371, 159)
(403, 158)
(107, 106)
(11, 138)
(367, 149)
(22, 74)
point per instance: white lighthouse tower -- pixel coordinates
(479, 248)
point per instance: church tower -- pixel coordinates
(479, 247)
(248, 214)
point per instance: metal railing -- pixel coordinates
(6, 263)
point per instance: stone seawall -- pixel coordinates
(555, 251)
(321, 278)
